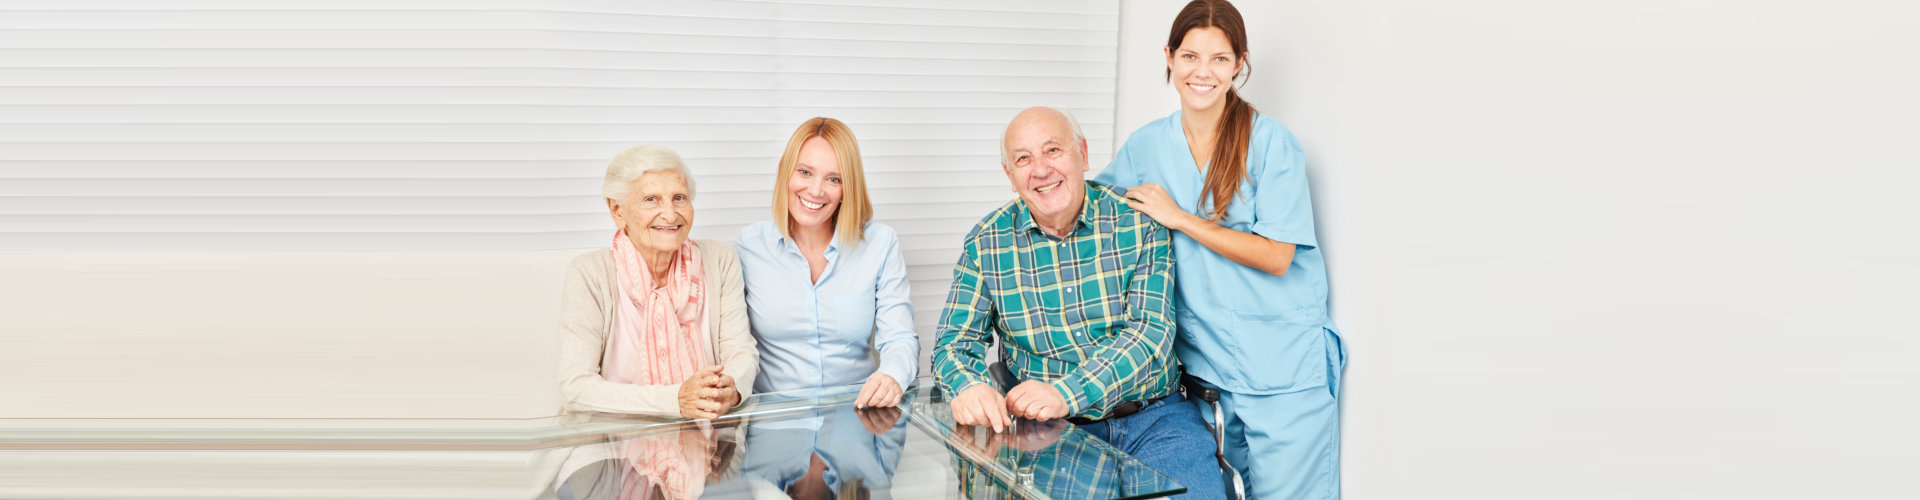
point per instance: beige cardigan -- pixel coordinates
(586, 315)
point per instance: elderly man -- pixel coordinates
(1078, 288)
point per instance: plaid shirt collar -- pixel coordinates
(1023, 215)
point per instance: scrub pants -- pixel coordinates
(1286, 446)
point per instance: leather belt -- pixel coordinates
(1121, 410)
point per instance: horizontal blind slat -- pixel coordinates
(486, 124)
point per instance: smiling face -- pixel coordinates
(1047, 165)
(813, 186)
(657, 212)
(1203, 67)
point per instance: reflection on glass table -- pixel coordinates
(832, 451)
(799, 444)
(675, 464)
(1038, 459)
(814, 444)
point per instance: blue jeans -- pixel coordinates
(1170, 437)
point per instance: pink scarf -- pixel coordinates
(679, 463)
(660, 329)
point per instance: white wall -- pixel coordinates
(362, 208)
(1629, 249)
(1580, 250)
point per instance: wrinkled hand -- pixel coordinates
(729, 393)
(1153, 200)
(707, 393)
(878, 420)
(981, 405)
(881, 391)
(1035, 400)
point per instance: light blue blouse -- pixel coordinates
(1241, 328)
(839, 331)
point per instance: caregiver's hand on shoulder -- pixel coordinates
(1153, 200)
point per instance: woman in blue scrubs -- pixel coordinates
(1252, 307)
(826, 286)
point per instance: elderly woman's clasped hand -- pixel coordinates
(707, 394)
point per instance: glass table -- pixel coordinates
(802, 444)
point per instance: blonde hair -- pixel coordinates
(850, 219)
(637, 161)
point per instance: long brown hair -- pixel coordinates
(855, 209)
(1227, 167)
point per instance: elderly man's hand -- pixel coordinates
(702, 394)
(981, 405)
(1035, 400)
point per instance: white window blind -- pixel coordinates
(479, 125)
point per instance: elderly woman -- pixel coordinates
(826, 286)
(656, 323)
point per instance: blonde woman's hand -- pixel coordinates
(881, 391)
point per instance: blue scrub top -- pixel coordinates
(1240, 328)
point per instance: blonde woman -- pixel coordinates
(826, 286)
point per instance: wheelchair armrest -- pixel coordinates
(1002, 376)
(1196, 390)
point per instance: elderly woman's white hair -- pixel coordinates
(637, 161)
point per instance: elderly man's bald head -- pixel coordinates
(1041, 113)
(1045, 158)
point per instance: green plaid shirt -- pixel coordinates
(1089, 313)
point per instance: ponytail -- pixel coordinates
(1228, 166)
